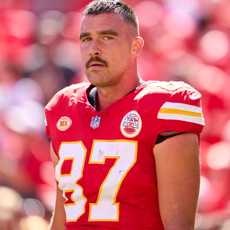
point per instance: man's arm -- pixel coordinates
(178, 177)
(59, 217)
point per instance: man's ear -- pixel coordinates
(138, 43)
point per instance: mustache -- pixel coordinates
(96, 59)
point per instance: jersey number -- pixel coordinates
(74, 153)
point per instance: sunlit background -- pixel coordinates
(185, 40)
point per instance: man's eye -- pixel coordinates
(85, 39)
(107, 38)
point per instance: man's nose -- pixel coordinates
(95, 48)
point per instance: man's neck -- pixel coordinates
(107, 96)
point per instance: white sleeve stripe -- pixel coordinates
(182, 112)
(180, 117)
(181, 106)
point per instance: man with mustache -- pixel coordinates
(125, 151)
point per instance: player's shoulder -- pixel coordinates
(66, 94)
(169, 87)
(183, 105)
(169, 90)
(173, 101)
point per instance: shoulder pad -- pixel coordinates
(64, 93)
(173, 86)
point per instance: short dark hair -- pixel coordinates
(112, 6)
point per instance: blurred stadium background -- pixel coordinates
(184, 40)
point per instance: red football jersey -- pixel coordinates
(106, 164)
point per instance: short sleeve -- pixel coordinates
(182, 112)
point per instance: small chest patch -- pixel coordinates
(64, 123)
(131, 124)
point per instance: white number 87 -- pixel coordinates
(106, 208)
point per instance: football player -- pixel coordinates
(125, 151)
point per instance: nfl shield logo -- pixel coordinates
(95, 122)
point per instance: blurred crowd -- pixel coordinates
(39, 54)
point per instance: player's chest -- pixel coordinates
(124, 122)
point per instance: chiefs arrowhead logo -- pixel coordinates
(131, 124)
